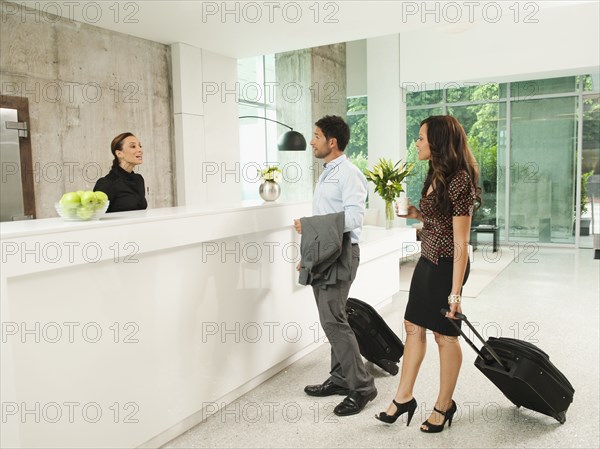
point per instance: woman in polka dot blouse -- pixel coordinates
(449, 195)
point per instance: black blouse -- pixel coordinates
(126, 191)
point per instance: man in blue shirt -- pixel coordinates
(341, 188)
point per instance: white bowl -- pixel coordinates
(80, 212)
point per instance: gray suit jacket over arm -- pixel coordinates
(325, 249)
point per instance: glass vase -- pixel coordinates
(389, 214)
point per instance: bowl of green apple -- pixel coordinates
(82, 205)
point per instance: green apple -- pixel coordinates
(80, 192)
(101, 197)
(85, 213)
(70, 200)
(88, 198)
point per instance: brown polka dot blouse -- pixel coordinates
(437, 237)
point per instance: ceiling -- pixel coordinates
(248, 28)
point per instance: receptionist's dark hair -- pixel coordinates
(117, 144)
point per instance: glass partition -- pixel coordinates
(524, 136)
(524, 90)
(417, 178)
(543, 152)
(590, 172)
(357, 118)
(482, 125)
(258, 138)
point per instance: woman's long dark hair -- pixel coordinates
(449, 155)
(117, 144)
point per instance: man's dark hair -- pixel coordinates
(333, 126)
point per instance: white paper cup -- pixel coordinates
(402, 204)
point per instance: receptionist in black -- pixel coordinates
(125, 189)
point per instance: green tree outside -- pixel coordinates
(358, 147)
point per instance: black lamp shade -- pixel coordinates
(291, 141)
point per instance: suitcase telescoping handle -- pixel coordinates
(462, 317)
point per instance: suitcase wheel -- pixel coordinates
(561, 417)
(389, 366)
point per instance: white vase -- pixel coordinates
(269, 190)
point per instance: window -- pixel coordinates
(258, 138)
(358, 147)
(263, 92)
(590, 170)
(538, 163)
(417, 178)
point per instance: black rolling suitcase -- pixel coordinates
(377, 342)
(523, 372)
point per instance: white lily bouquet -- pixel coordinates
(388, 178)
(272, 173)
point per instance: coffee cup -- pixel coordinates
(402, 204)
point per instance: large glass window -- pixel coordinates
(417, 178)
(590, 170)
(481, 123)
(529, 184)
(542, 183)
(262, 88)
(358, 147)
(258, 138)
(527, 89)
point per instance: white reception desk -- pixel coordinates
(121, 332)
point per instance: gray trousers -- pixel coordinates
(347, 367)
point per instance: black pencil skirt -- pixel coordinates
(429, 289)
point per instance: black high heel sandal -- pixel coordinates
(448, 415)
(409, 407)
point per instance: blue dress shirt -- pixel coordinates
(342, 188)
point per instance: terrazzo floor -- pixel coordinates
(549, 297)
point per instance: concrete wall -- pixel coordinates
(329, 81)
(85, 85)
(293, 71)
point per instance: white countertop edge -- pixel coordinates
(25, 228)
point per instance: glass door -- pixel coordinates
(484, 125)
(590, 172)
(543, 148)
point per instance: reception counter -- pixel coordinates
(120, 332)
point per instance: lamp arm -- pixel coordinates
(264, 118)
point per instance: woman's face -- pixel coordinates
(423, 151)
(131, 153)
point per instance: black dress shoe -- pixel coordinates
(354, 403)
(327, 388)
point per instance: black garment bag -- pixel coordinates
(377, 342)
(523, 372)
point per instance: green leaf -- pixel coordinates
(387, 172)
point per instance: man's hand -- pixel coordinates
(298, 226)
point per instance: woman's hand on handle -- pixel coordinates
(455, 307)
